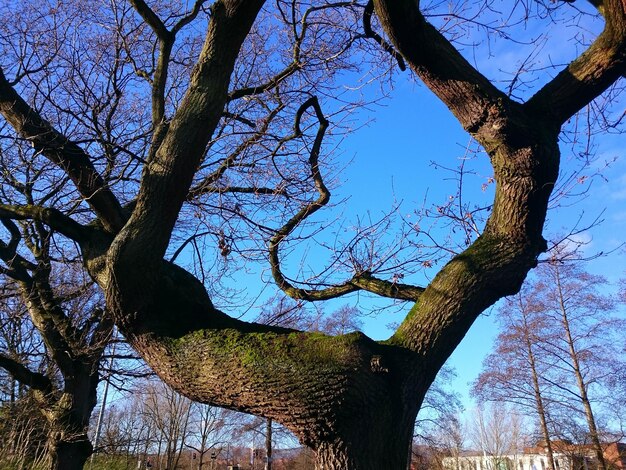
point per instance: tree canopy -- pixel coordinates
(135, 130)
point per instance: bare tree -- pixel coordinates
(210, 429)
(168, 414)
(514, 373)
(60, 369)
(557, 352)
(180, 127)
(451, 438)
(579, 339)
(498, 433)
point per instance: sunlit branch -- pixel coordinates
(464, 90)
(361, 280)
(158, 82)
(590, 74)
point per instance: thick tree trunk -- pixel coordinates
(374, 448)
(68, 452)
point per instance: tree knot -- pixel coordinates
(378, 365)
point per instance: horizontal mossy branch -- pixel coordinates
(294, 377)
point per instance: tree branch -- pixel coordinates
(169, 174)
(262, 88)
(54, 327)
(209, 182)
(53, 218)
(257, 190)
(589, 75)
(464, 90)
(159, 82)
(370, 33)
(295, 64)
(152, 19)
(25, 376)
(64, 153)
(184, 21)
(361, 280)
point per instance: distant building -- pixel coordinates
(567, 456)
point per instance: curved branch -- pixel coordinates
(184, 21)
(589, 75)
(392, 290)
(310, 208)
(62, 152)
(370, 33)
(13, 229)
(361, 280)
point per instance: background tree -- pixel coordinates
(53, 351)
(450, 438)
(168, 414)
(579, 337)
(210, 428)
(499, 433)
(166, 126)
(436, 427)
(557, 352)
(515, 372)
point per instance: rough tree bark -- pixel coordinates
(352, 399)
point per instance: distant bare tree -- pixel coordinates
(558, 352)
(498, 432)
